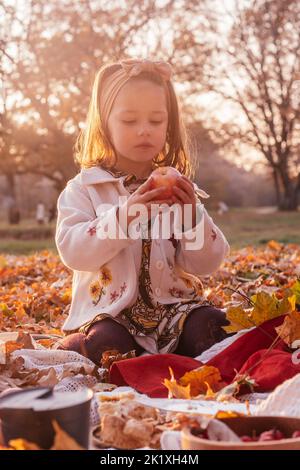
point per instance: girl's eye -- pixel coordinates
(151, 122)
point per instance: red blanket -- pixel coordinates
(248, 353)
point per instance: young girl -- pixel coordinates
(135, 293)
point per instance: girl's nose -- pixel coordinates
(144, 130)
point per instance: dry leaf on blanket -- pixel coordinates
(202, 381)
(175, 389)
(289, 331)
(62, 440)
(113, 355)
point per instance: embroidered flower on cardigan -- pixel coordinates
(123, 288)
(96, 291)
(91, 231)
(213, 234)
(105, 276)
(114, 296)
(97, 287)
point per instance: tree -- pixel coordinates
(60, 46)
(258, 69)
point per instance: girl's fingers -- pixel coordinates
(181, 195)
(152, 194)
(185, 178)
(186, 186)
(145, 186)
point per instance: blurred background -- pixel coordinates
(237, 72)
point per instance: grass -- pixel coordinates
(241, 227)
(244, 227)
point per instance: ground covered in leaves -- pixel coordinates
(35, 291)
(253, 285)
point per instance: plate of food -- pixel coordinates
(242, 433)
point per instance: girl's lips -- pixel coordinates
(144, 146)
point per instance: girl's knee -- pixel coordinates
(108, 334)
(74, 342)
(202, 329)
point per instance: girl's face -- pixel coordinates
(138, 121)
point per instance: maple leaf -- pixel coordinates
(239, 319)
(202, 380)
(296, 291)
(176, 390)
(289, 331)
(267, 306)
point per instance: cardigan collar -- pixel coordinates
(95, 175)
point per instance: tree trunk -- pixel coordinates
(11, 186)
(277, 186)
(289, 196)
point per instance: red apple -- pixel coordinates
(271, 435)
(164, 176)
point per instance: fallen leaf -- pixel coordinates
(289, 331)
(201, 380)
(62, 440)
(176, 390)
(22, 444)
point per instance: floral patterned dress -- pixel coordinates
(160, 325)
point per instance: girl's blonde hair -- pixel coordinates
(93, 146)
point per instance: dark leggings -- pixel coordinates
(201, 330)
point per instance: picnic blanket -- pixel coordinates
(248, 353)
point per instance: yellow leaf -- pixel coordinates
(239, 319)
(296, 290)
(3, 262)
(67, 296)
(176, 390)
(267, 306)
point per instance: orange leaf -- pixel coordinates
(202, 380)
(176, 390)
(62, 440)
(289, 331)
(22, 444)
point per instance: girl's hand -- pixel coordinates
(146, 196)
(184, 193)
